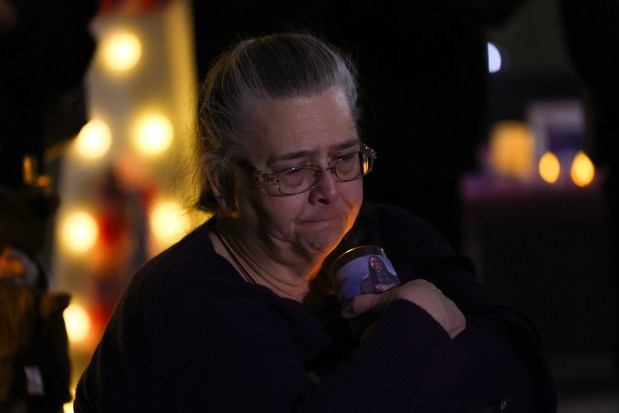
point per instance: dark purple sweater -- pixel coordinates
(190, 335)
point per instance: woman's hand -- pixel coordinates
(421, 292)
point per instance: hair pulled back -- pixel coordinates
(271, 67)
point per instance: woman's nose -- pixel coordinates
(325, 189)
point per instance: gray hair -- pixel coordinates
(269, 67)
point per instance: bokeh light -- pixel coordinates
(78, 231)
(94, 139)
(78, 323)
(512, 150)
(549, 167)
(582, 170)
(494, 58)
(121, 51)
(169, 221)
(153, 134)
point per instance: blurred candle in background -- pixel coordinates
(512, 150)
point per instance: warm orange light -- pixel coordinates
(153, 134)
(79, 232)
(169, 221)
(549, 167)
(77, 322)
(94, 139)
(121, 51)
(511, 150)
(582, 171)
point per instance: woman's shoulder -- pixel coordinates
(401, 233)
(389, 213)
(188, 278)
(189, 261)
(394, 221)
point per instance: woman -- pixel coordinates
(379, 277)
(239, 316)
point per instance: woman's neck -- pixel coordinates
(260, 265)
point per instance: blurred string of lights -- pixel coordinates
(122, 187)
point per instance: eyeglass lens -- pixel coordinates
(347, 168)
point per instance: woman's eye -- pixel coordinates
(347, 157)
(294, 171)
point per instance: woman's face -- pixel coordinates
(292, 132)
(376, 263)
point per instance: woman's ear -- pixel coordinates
(223, 191)
(215, 188)
(219, 196)
(226, 206)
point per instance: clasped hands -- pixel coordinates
(421, 292)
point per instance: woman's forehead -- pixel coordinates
(295, 127)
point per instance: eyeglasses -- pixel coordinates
(296, 180)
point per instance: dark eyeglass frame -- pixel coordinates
(273, 178)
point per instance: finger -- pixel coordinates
(457, 326)
(358, 305)
(366, 302)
